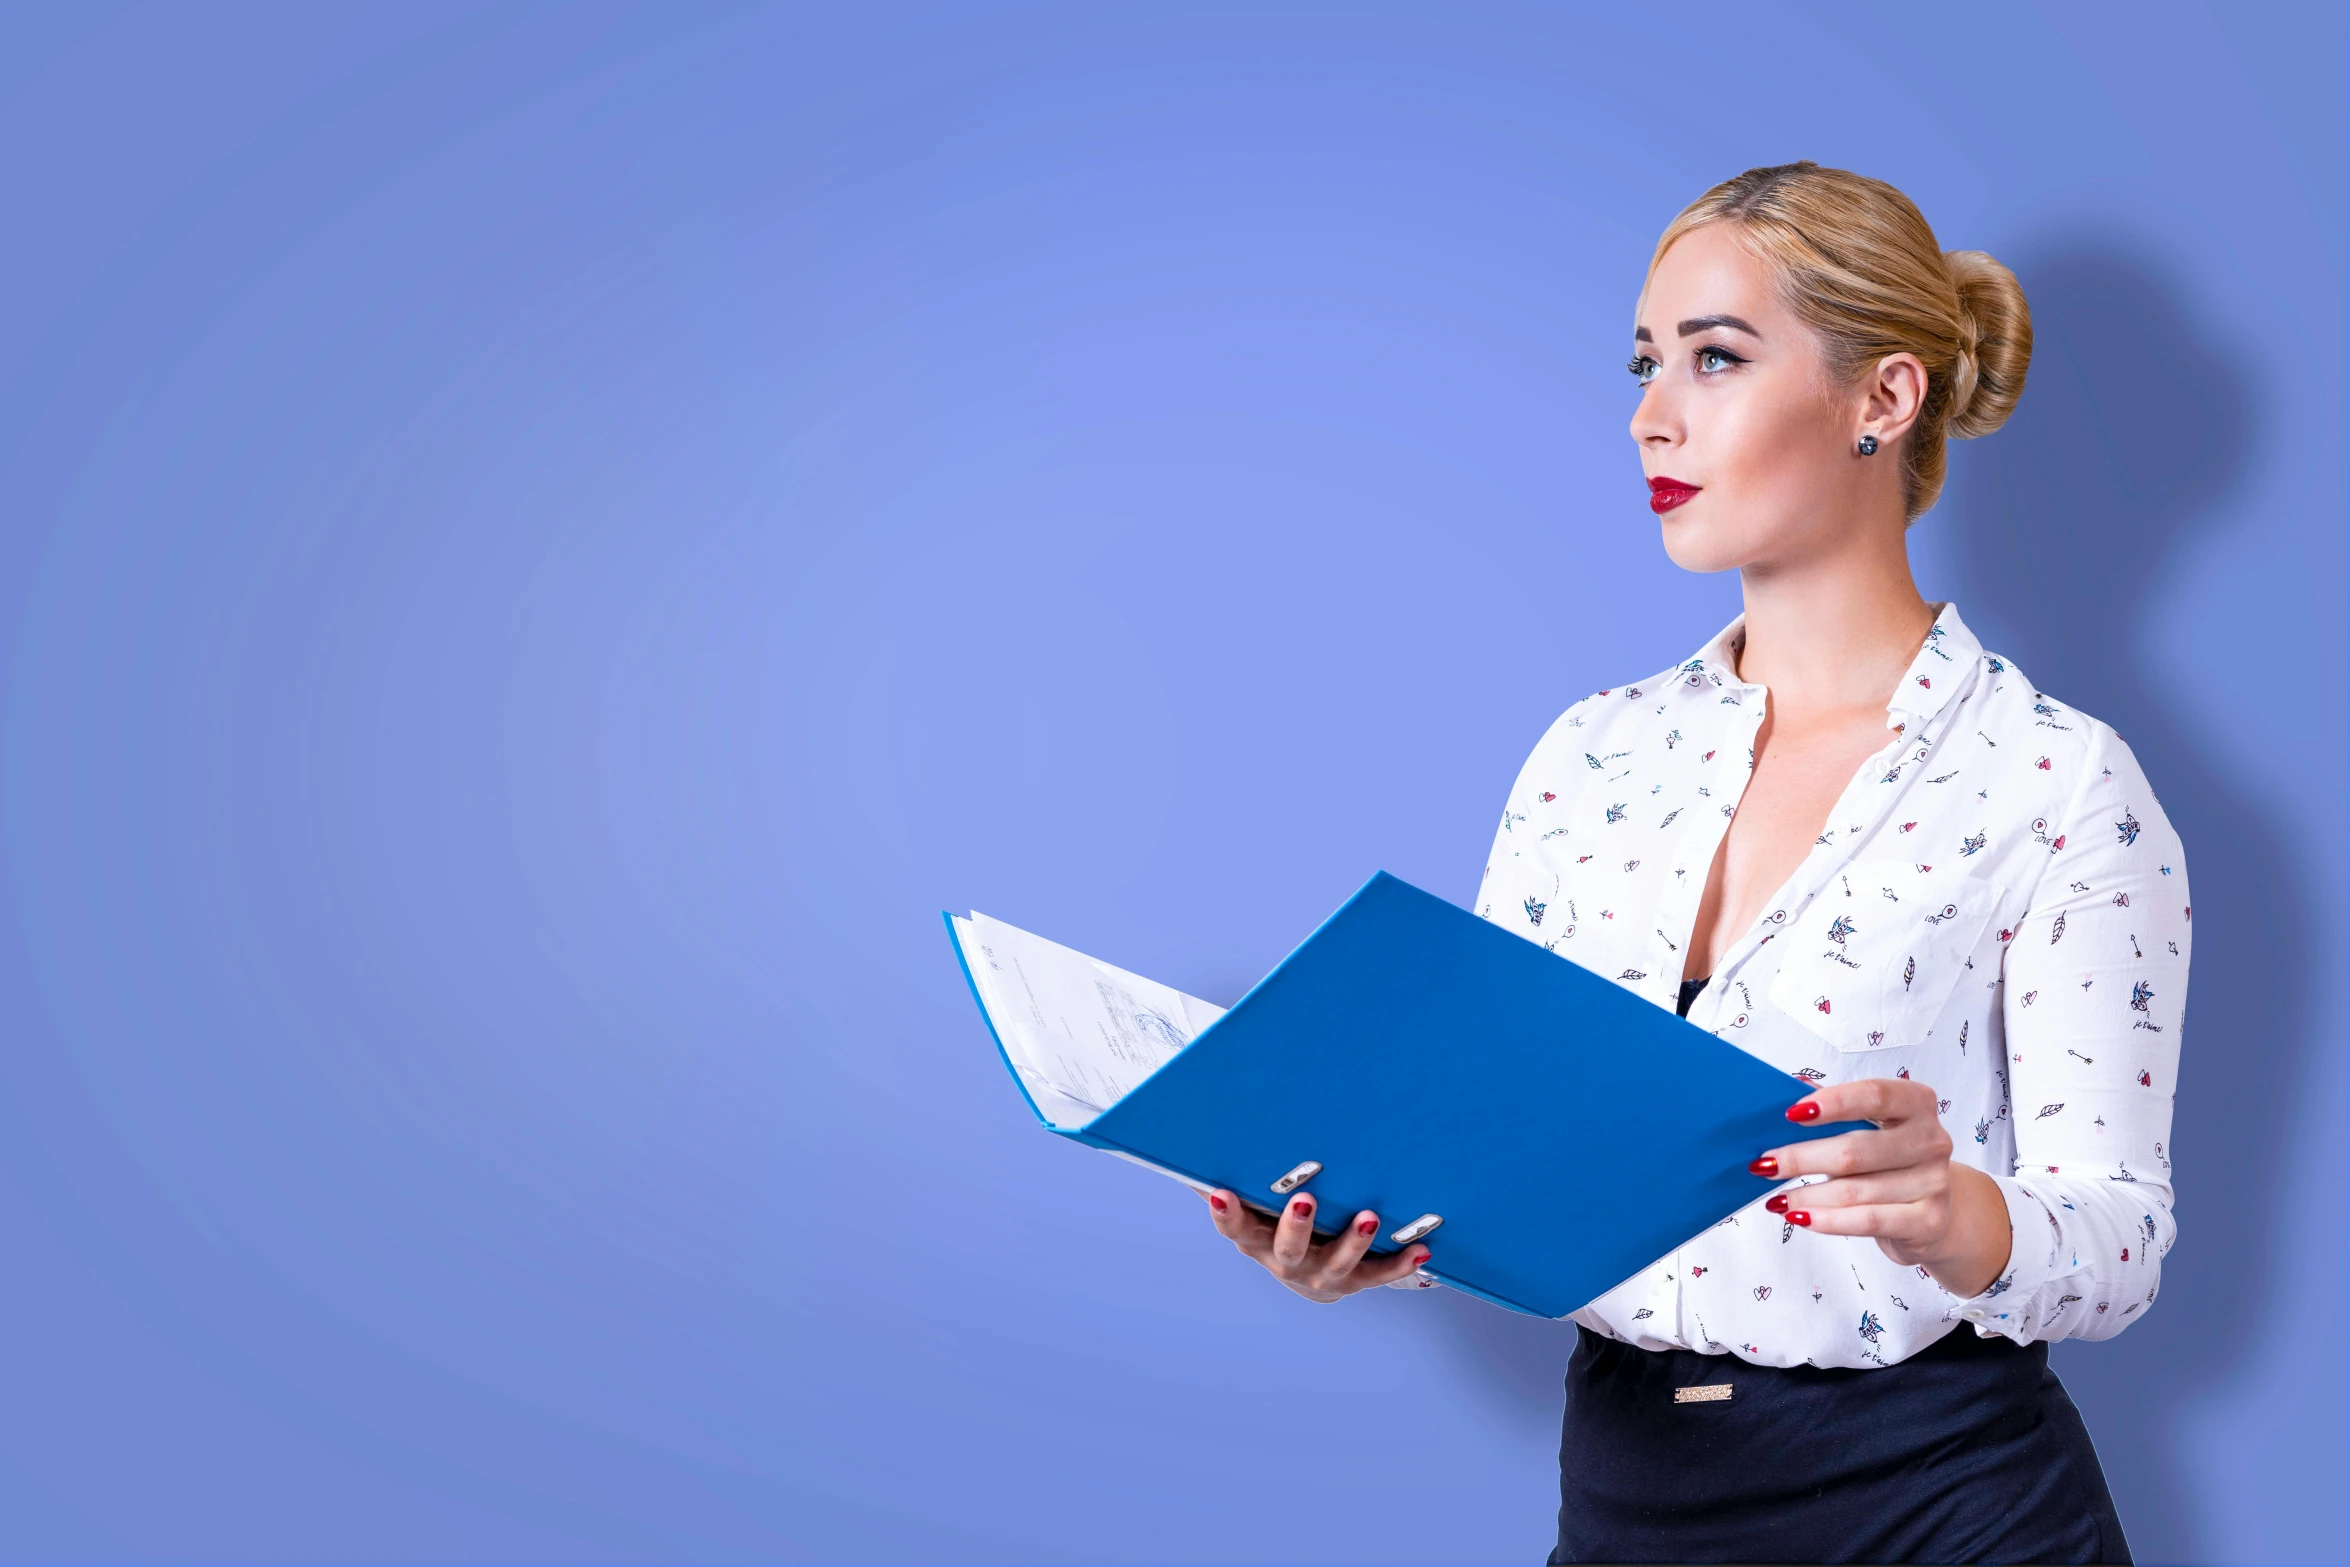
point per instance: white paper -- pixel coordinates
(1080, 1030)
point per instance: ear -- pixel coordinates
(1894, 392)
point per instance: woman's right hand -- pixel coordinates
(1320, 1270)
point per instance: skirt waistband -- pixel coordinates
(1969, 1450)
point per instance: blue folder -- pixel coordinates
(1568, 1132)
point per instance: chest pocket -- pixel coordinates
(1871, 962)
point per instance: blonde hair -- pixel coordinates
(1860, 266)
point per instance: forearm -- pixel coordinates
(2088, 1255)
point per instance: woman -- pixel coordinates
(1850, 841)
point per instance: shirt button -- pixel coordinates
(1973, 1313)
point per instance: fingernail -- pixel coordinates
(1367, 1227)
(1217, 1202)
(1302, 1206)
(1777, 1204)
(1807, 1110)
(1422, 1257)
(1800, 1217)
(1766, 1167)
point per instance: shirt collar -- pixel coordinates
(1719, 657)
(1942, 665)
(1932, 679)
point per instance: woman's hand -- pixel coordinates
(1321, 1270)
(1895, 1183)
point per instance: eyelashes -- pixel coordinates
(1712, 359)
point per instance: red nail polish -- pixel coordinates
(1800, 1217)
(1777, 1204)
(1302, 1206)
(1766, 1167)
(1367, 1227)
(1422, 1257)
(1217, 1203)
(1808, 1110)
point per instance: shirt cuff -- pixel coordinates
(2034, 1243)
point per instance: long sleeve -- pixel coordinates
(2094, 996)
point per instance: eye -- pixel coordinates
(1712, 360)
(1643, 368)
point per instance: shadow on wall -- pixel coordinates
(2132, 427)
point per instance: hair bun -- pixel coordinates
(1994, 344)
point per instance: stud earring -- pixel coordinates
(1868, 446)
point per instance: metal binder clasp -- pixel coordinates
(1423, 1225)
(1297, 1177)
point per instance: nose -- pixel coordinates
(1656, 423)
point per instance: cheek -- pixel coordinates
(1773, 444)
(1767, 456)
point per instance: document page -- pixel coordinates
(1073, 1025)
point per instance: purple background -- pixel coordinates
(539, 548)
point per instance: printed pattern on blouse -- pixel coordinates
(1997, 907)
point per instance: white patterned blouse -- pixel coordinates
(1997, 907)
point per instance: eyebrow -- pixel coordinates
(1702, 323)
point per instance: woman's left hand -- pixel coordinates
(1895, 1183)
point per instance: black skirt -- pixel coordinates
(1968, 1451)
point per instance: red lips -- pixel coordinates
(1665, 494)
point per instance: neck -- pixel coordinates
(1834, 631)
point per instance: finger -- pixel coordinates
(1376, 1271)
(1237, 1223)
(1293, 1237)
(1899, 1222)
(1903, 1141)
(1337, 1258)
(1850, 1153)
(1916, 1183)
(1226, 1213)
(1881, 1099)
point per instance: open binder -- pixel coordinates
(1564, 1132)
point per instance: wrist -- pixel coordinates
(1976, 1249)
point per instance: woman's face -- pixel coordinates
(1748, 446)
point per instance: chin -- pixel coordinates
(1692, 546)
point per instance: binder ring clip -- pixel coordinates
(1297, 1177)
(1423, 1225)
